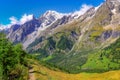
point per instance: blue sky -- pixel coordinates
(18, 8)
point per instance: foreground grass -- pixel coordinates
(43, 73)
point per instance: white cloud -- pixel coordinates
(22, 20)
(82, 10)
(3, 27)
(13, 20)
(26, 18)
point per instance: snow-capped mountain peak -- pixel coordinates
(49, 14)
(48, 18)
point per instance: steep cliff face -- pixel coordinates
(18, 33)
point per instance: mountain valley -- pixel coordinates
(73, 43)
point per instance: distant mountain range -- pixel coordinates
(30, 30)
(72, 40)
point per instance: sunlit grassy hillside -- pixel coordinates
(43, 73)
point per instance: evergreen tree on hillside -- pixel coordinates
(12, 60)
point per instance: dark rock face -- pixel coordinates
(107, 34)
(28, 28)
(18, 33)
(116, 34)
(14, 27)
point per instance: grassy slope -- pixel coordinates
(106, 59)
(95, 62)
(99, 60)
(43, 73)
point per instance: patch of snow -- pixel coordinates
(96, 8)
(113, 11)
(55, 14)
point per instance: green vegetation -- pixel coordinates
(44, 73)
(64, 43)
(105, 59)
(113, 52)
(99, 63)
(50, 44)
(13, 61)
(99, 60)
(59, 43)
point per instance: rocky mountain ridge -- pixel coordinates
(29, 31)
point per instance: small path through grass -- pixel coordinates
(31, 74)
(40, 72)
